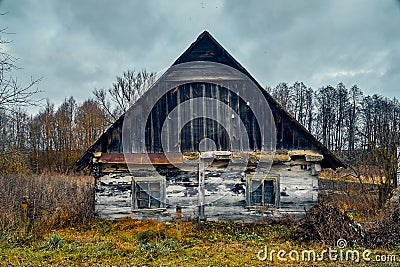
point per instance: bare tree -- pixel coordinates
(11, 92)
(42, 139)
(13, 119)
(125, 91)
(283, 94)
(14, 139)
(64, 135)
(302, 106)
(381, 136)
(341, 107)
(353, 118)
(297, 100)
(326, 114)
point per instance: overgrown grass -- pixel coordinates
(359, 200)
(39, 203)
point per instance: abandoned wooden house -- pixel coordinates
(206, 141)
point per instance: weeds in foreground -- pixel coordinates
(39, 203)
(157, 249)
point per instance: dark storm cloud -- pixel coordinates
(320, 42)
(79, 45)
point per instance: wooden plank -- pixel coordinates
(141, 158)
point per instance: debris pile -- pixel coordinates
(327, 224)
(384, 232)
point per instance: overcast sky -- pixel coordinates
(78, 45)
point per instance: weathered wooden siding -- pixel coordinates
(198, 110)
(209, 123)
(225, 194)
(288, 136)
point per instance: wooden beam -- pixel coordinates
(141, 158)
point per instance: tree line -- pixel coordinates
(51, 140)
(345, 120)
(54, 138)
(363, 130)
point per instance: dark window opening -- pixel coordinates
(148, 193)
(262, 190)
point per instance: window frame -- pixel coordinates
(134, 199)
(261, 178)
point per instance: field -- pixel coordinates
(49, 221)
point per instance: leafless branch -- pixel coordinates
(127, 89)
(101, 99)
(11, 92)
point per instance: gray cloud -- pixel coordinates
(79, 45)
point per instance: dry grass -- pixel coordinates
(37, 203)
(360, 201)
(346, 192)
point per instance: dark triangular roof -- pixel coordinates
(206, 48)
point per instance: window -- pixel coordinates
(148, 193)
(262, 190)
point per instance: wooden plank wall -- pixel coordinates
(288, 135)
(224, 193)
(212, 120)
